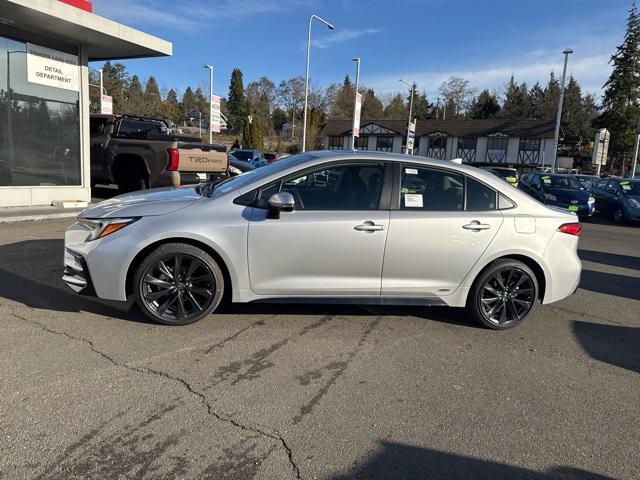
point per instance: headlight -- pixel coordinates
(591, 200)
(102, 228)
(234, 170)
(551, 197)
(634, 203)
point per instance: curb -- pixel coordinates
(32, 218)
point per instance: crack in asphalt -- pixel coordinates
(273, 434)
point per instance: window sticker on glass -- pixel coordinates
(413, 200)
(625, 186)
(546, 180)
(411, 171)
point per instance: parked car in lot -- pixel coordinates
(238, 167)
(559, 190)
(270, 156)
(338, 227)
(587, 181)
(254, 156)
(509, 175)
(618, 198)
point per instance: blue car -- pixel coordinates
(563, 191)
(618, 198)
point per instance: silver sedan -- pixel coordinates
(339, 227)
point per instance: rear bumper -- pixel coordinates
(563, 267)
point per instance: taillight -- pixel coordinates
(174, 159)
(571, 228)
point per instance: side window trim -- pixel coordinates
(299, 173)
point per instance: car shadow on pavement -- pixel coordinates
(398, 461)
(30, 273)
(611, 284)
(612, 259)
(612, 344)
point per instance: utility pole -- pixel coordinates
(356, 113)
(556, 137)
(411, 89)
(210, 67)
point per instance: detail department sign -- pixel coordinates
(52, 67)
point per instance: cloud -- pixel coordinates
(340, 36)
(591, 72)
(187, 14)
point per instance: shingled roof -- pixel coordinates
(454, 128)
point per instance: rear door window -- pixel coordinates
(431, 189)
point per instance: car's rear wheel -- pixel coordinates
(178, 284)
(503, 295)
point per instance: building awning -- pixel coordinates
(105, 39)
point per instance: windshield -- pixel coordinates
(243, 154)
(234, 183)
(630, 187)
(561, 181)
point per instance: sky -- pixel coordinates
(424, 41)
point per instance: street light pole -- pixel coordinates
(306, 75)
(355, 104)
(635, 153)
(411, 88)
(210, 67)
(556, 137)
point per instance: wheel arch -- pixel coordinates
(124, 160)
(530, 262)
(139, 257)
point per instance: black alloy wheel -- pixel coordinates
(504, 295)
(178, 284)
(618, 216)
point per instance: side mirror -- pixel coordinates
(280, 202)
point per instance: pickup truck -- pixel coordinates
(137, 153)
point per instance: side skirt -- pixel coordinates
(355, 300)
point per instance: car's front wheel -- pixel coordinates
(503, 295)
(178, 284)
(618, 216)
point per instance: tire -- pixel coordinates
(187, 297)
(618, 216)
(511, 305)
(131, 179)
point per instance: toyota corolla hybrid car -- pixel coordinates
(339, 227)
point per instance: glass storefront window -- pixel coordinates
(39, 125)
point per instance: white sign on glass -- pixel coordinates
(52, 67)
(106, 104)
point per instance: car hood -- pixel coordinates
(144, 203)
(566, 195)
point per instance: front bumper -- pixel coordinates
(76, 273)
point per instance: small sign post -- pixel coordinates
(106, 104)
(600, 149)
(411, 136)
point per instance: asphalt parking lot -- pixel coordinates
(90, 390)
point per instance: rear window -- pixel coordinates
(243, 155)
(139, 128)
(479, 196)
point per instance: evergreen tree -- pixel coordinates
(236, 102)
(189, 103)
(571, 125)
(421, 105)
(517, 104)
(278, 119)
(397, 108)
(621, 99)
(537, 96)
(134, 97)
(549, 107)
(152, 99)
(342, 108)
(372, 108)
(484, 106)
(170, 109)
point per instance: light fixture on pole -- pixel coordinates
(356, 106)
(210, 67)
(306, 80)
(556, 137)
(409, 130)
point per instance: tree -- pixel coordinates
(252, 134)
(152, 99)
(621, 99)
(260, 96)
(549, 107)
(484, 106)
(458, 96)
(396, 109)
(290, 97)
(134, 102)
(236, 102)
(421, 105)
(517, 104)
(537, 97)
(278, 119)
(372, 108)
(170, 108)
(189, 103)
(342, 107)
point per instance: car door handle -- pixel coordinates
(369, 227)
(476, 226)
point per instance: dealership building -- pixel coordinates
(45, 50)
(524, 144)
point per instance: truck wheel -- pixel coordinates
(131, 180)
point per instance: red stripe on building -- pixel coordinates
(83, 4)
